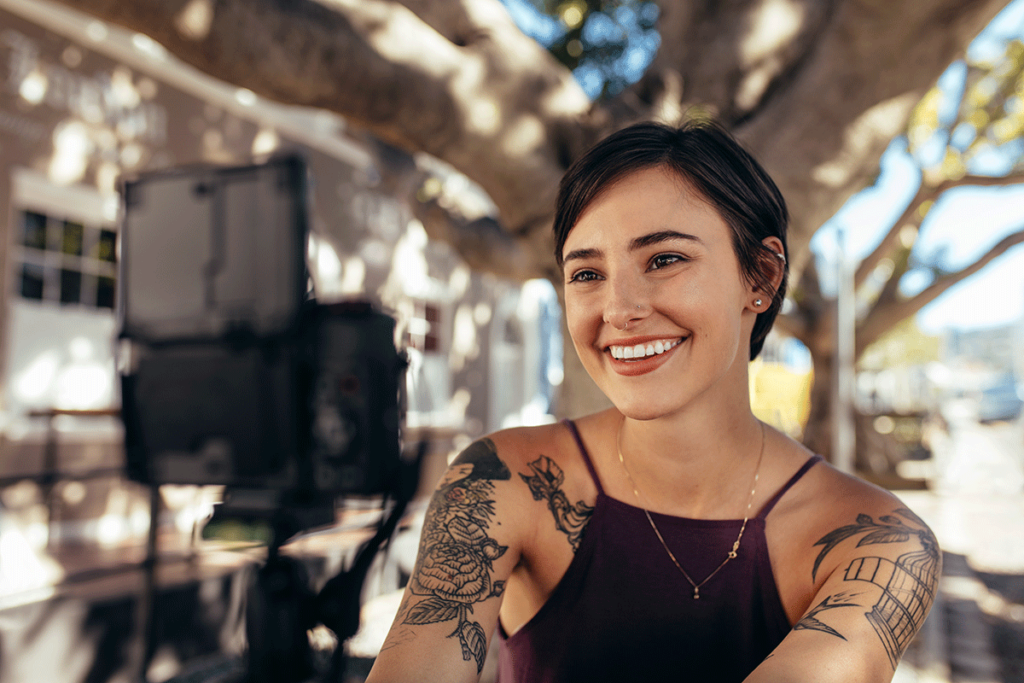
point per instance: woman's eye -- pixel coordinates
(583, 276)
(664, 260)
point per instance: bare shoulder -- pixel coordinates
(862, 572)
(553, 476)
(844, 518)
(834, 496)
(500, 455)
(547, 450)
(518, 443)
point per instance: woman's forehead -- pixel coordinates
(652, 199)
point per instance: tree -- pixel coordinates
(815, 89)
(985, 115)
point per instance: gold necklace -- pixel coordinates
(735, 546)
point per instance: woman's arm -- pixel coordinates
(470, 543)
(884, 565)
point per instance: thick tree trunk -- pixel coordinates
(820, 421)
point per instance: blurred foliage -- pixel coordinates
(970, 123)
(238, 531)
(903, 346)
(608, 44)
(980, 110)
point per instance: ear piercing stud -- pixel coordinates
(757, 302)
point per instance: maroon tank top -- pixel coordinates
(623, 612)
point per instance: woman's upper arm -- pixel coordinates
(469, 545)
(884, 570)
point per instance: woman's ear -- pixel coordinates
(776, 265)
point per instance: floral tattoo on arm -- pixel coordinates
(546, 484)
(455, 566)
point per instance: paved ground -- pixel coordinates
(976, 509)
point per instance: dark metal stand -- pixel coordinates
(147, 600)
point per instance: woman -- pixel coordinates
(673, 536)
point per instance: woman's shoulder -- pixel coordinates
(839, 494)
(514, 440)
(827, 499)
(556, 440)
(550, 453)
(823, 491)
(826, 521)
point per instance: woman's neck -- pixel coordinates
(692, 465)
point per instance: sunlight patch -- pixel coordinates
(773, 25)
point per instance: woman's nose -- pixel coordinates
(628, 302)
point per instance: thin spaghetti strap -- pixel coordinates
(811, 462)
(586, 456)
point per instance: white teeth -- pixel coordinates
(642, 351)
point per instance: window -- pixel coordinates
(66, 261)
(425, 327)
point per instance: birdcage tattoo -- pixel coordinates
(906, 594)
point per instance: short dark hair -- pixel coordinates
(710, 160)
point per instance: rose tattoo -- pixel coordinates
(455, 565)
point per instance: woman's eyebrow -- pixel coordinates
(582, 254)
(661, 236)
(636, 243)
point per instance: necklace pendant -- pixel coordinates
(696, 593)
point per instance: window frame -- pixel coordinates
(32, 192)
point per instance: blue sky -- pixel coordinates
(962, 226)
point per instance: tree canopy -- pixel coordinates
(816, 89)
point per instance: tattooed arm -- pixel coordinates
(469, 546)
(883, 570)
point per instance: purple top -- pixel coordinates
(623, 612)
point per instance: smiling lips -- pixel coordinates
(641, 351)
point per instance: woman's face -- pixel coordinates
(656, 305)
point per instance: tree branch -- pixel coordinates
(890, 291)
(828, 119)
(911, 215)
(481, 242)
(500, 109)
(883, 318)
(1014, 178)
(818, 102)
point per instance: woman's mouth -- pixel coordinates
(637, 352)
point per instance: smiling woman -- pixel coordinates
(673, 534)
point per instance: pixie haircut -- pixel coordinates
(712, 163)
